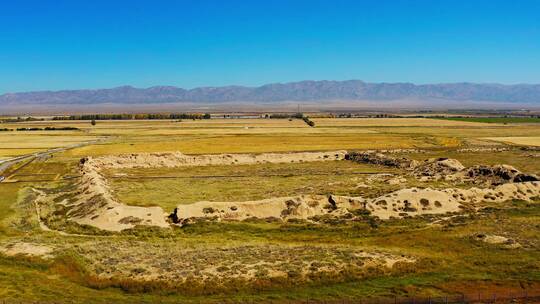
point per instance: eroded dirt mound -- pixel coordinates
(92, 203)
(438, 167)
(497, 240)
(381, 159)
(447, 169)
(284, 208)
(401, 203)
(483, 149)
(177, 159)
(498, 174)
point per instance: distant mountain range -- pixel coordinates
(303, 91)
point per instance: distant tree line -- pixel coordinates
(284, 116)
(134, 116)
(46, 129)
(21, 119)
(306, 119)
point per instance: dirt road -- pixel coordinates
(8, 163)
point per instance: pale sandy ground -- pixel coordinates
(152, 160)
(498, 240)
(26, 249)
(524, 141)
(110, 214)
(405, 202)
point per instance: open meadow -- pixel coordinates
(216, 210)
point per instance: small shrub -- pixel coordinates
(209, 210)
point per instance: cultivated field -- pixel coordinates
(390, 122)
(524, 141)
(19, 143)
(217, 210)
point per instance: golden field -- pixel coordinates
(517, 140)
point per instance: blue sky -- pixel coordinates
(59, 44)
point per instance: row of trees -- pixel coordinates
(42, 129)
(21, 119)
(134, 116)
(306, 119)
(48, 129)
(282, 116)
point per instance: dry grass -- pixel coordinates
(238, 183)
(20, 143)
(522, 141)
(485, 130)
(390, 122)
(252, 143)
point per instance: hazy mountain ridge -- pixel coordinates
(314, 91)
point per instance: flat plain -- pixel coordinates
(52, 248)
(518, 140)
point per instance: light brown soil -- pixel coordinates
(152, 160)
(30, 249)
(405, 202)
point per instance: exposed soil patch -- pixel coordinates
(29, 249)
(151, 160)
(497, 240)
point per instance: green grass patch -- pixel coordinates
(169, 187)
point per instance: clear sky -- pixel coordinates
(68, 44)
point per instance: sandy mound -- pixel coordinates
(447, 168)
(497, 240)
(406, 202)
(301, 207)
(31, 249)
(401, 203)
(482, 149)
(438, 167)
(395, 151)
(95, 205)
(177, 159)
(498, 174)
